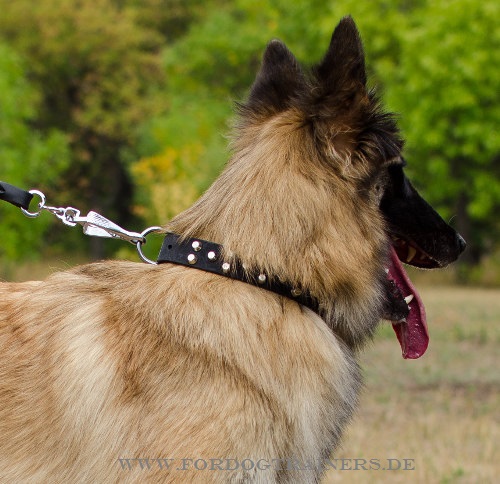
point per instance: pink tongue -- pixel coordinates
(412, 334)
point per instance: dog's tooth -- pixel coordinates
(409, 299)
(386, 270)
(412, 252)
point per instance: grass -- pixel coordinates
(441, 411)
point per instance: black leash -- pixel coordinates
(207, 256)
(196, 253)
(16, 196)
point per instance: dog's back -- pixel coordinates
(122, 360)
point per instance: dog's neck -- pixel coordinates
(280, 216)
(280, 219)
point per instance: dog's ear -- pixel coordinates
(278, 81)
(342, 73)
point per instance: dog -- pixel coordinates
(128, 372)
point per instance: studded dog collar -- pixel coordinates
(207, 256)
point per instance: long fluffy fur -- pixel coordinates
(119, 359)
(139, 361)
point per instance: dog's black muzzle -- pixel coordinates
(419, 234)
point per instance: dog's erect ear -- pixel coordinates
(278, 81)
(342, 70)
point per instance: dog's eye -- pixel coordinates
(378, 188)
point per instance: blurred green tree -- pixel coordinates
(143, 89)
(98, 70)
(170, 18)
(29, 157)
(446, 85)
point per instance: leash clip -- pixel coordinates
(93, 224)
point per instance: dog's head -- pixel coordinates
(316, 194)
(360, 144)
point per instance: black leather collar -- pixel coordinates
(206, 256)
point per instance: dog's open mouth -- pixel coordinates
(412, 254)
(412, 330)
(407, 310)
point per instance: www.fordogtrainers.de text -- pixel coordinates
(289, 464)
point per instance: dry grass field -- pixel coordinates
(441, 411)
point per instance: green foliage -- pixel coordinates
(143, 91)
(446, 86)
(97, 69)
(92, 60)
(183, 152)
(29, 158)
(170, 18)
